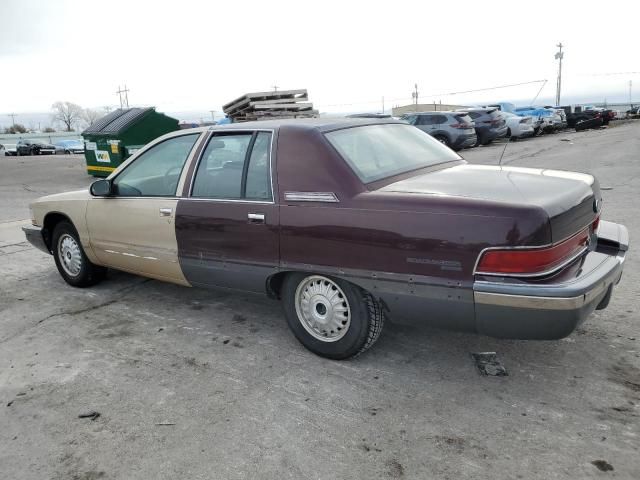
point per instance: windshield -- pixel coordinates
(380, 151)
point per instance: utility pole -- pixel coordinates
(13, 115)
(126, 96)
(275, 88)
(414, 95)
(559, 55)
(630, 86)
(212, 117)
(383, 104)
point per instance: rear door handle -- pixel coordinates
(256, 217)
(166, 212)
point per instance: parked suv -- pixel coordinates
(33, 147)
(489, 124)
(454, 129)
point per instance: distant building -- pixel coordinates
(424, 107)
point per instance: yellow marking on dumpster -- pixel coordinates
(100, 169)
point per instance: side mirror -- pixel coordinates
(100, 188)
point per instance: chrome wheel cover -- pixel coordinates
(70, 255)
(322, 308)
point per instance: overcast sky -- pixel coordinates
(194, 55)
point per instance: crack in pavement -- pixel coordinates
(78, 311)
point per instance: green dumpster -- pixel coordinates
(117, 135)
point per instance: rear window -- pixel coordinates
(379, 151)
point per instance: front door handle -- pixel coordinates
(256, 217)
(166, 212)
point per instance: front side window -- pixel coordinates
(156, 172)
(379, 151)
(235, 166)
(410, 119)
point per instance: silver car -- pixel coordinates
(455, 129)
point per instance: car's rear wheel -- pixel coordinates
(71, 261)
(331, 317)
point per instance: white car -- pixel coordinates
(8, 149)
(518, 127)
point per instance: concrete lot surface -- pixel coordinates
(196, 384)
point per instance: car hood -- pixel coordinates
(569, 199)
(59, 197)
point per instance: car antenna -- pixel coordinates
(503, 150)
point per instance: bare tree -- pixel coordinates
(68, 113)
(90, 116)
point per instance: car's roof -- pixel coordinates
(435, 113)
(323, 124)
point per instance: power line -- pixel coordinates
(126, 96)
(437, 94)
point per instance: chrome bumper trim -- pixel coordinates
(540, 303)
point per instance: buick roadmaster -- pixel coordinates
(349, 223)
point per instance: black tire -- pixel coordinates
(442, 139)
(366, 321)
(508, 133)
(487, 142)
(89, 274)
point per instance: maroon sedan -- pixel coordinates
(348, 223)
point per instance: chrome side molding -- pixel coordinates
(326, 197)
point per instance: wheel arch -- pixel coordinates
(273, 284)
(51, 219)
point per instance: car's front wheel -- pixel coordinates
(442, 139)
(71, 261)
(331, 317)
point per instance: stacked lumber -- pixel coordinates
(270, 105)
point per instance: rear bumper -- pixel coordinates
(35, 238)
(464, 141)
(508, 308)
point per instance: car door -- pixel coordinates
(134, 228)
(228, 226)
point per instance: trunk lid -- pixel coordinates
(571, 200)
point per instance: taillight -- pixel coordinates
(595, 224)
(532, 261)
(461, 125)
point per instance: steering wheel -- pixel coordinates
(169, 184)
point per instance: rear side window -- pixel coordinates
(379, 151)
(258, 183)
(235, 166)
(463, 119)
